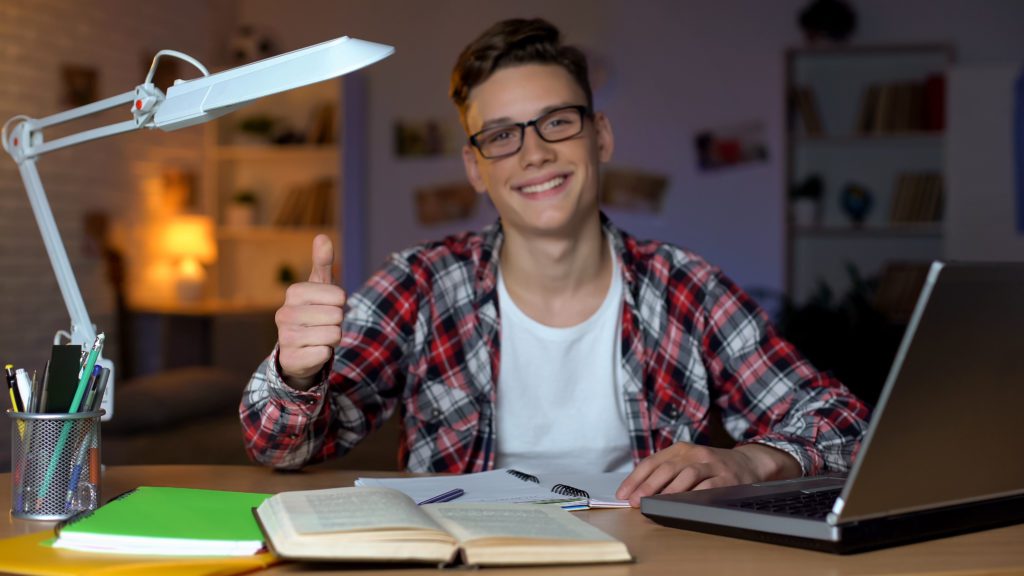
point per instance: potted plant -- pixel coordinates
(241, 212)
(805, 202)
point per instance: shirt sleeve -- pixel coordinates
(287, 428)
(769, 393)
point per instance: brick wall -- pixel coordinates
(116, 37)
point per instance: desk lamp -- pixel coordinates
(186, 103)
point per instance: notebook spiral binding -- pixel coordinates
(524, 476)
(86, 513)
(566, 490)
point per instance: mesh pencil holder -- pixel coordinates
(55, 464)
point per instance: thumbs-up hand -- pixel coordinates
(309, 322)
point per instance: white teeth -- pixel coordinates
(554, 182)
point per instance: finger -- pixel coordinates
(304, 362)
(323, 259)
(712, 482)
(688, 478)
(638, 475)
(311, 336)
(655, 482)
(306, 293)
(310, 315)
(677, 451)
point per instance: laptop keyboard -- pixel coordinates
(815, 505)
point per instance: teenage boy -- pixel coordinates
(552, 339)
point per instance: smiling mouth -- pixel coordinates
(543, 186)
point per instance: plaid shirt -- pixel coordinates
(423, 334)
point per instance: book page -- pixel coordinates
(478, 521)
(350, 509)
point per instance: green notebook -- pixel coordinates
(169, 522)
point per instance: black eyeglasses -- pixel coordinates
(554, 126)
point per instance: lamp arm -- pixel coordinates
(23, 139)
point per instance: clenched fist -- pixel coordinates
(309, 322)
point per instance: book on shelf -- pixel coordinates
(807, 108)
(917, 197)
(366, 524)
(903, 107)
(164, 521)
(572, 491)
(898, 288)
(307, 205)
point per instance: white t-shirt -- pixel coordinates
(559, 397)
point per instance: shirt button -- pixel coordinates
(293, 436)
(673, 412)
(436, 413)
(311, 401)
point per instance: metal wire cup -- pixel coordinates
(55, 464)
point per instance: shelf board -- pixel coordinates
(325, 152)
(272, 232)
(919, 137)
(914, 230)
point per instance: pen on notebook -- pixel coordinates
(444, 497)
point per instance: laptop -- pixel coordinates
(943, 454)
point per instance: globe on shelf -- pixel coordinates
(856, 202)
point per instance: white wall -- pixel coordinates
(36, 39)
(982, 206)
(675, 67)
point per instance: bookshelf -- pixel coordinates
(865, 152)
(271, 182)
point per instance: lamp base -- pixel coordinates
(189, 291)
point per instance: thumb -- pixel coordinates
(323, 259)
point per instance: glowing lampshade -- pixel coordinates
(189, 242)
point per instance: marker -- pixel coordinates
(12, 387)
(24, 388)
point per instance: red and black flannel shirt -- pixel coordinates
(423, 335)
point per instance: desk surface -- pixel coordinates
(658, 550)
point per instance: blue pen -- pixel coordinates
(445, 497)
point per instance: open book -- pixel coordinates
(572, 491)
(384, 525)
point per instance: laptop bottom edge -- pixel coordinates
(880, 533)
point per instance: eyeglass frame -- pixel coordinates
(584, 112)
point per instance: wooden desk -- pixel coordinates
(658, 550)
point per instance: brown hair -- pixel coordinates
(513, 42)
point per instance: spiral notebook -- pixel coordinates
(571, 491)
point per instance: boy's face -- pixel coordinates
(546, 188)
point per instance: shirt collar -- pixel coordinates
(492, 236)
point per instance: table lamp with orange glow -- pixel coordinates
(186, 103)
(189, 242)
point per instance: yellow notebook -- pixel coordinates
(28, 555)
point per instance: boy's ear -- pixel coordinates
(605, 137)
(469, 162)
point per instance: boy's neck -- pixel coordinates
(558, 281)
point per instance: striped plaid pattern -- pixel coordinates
(422, 336)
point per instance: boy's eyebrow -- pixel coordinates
(505, 120)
